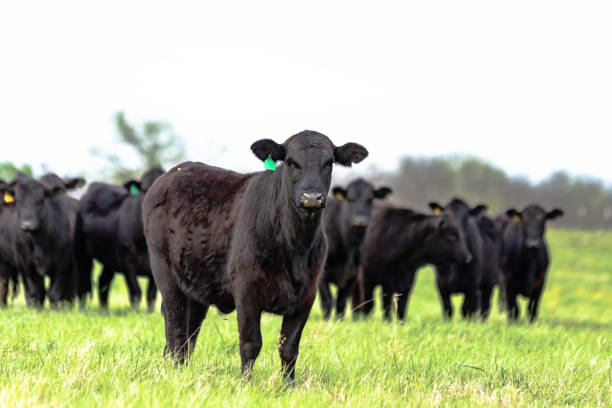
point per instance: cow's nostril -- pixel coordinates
(312, 200)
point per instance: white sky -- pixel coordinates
(525, 85)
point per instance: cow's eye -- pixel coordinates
(328, 164)
(293, 164)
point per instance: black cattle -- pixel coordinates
(398, 241)
(47, 215)
(250, 242)
(346, 219)
(465, 278)
(109, 229)
(525, 258)
(8, 268)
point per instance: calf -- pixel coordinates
(467, 277)
(346, 218)
(525, 258)
(398, 241)
(250, 242)
(46, 214)
(109, 229)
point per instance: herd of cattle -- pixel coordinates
(261, 242)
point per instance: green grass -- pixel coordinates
(73, 358)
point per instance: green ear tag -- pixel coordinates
(134, 190)
(269, 164)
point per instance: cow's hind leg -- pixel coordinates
(151, 295)
(512, 307)
(131, 280)
(485, 301)
(104, 284)
(343, 295)
(326, 299)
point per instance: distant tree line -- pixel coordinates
(587, 203)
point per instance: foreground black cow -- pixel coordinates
(47, 214)
(346, 219)
(398, 241)
(250, 242)
(525, 260)
(465, 278)
(109, 229)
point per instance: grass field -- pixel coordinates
(73, 358)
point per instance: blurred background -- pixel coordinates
(501, 103)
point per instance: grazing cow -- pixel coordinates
(467, 277)
(109, 229)
(250, 242)
(525, 259)
(346, 219)
(398, 241)
(47, 215)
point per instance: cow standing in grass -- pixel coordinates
(250, 242)
(398, 241)
(109, 228)
(526, 258)
(346, 219)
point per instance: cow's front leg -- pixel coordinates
(249, 315)
(289, 344)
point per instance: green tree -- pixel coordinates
(8, 170)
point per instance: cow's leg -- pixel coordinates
(151, 295)
(512, 307)
(343, 295)
(366, 298)
(405, 291)
(471, 301)
(485, 301)
(534, 302)
(196, 312)
(355, 302)
(387, 300)
(4, 289)
(249, 316)
(61, 290)
(131, 280)
(326, 299)
(289, 344)
(445, 298)
(34, 288)
(104, 284)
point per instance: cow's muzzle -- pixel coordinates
(312, 200)
(28, 226)
(360, 221)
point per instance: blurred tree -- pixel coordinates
(155, 144)
(8, 170)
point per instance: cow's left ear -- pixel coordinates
(382, 192)
(349, 153)
(478, 209)
(514, 214)
(133, 186)
(265, 148)
(339, 193)
(554, 214)
(75, 182)
(436, 208)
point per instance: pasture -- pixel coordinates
(91, 358)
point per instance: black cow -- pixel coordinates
(525, 260)
(250, 242)
(398, 241)
(8, 268)
(109, 229)
(346, 219)
(467, 277)
(47, 214)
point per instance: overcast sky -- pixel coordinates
(525, 85)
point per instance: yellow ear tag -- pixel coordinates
(8, 197)
(437, 210)
(339, 196)
(516, 218)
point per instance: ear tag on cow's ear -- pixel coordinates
(339, 196)
(134, 190)
(269, 164)
(8, 197)
(516, 218)
(437, 210)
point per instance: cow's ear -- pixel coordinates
(7, 195)
(50, 192)
(339, 193)
(382, 192)
(75, 182)
(435, 207)
(133, 186)
(480, 208)
(514, 215)
(265, 148)
(349, 153)
(554, 214)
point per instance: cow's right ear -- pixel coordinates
(133, 186)
(265, 148)
(514, 215)
(339, 193)
(382, 192)
(349, 153)
(72, 183)
(436, 208)
(480, 208)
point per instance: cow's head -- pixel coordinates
(533, 221)
(30, 197)
(146, 181)
(357, 199)
(446, 241)
(307, 165)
